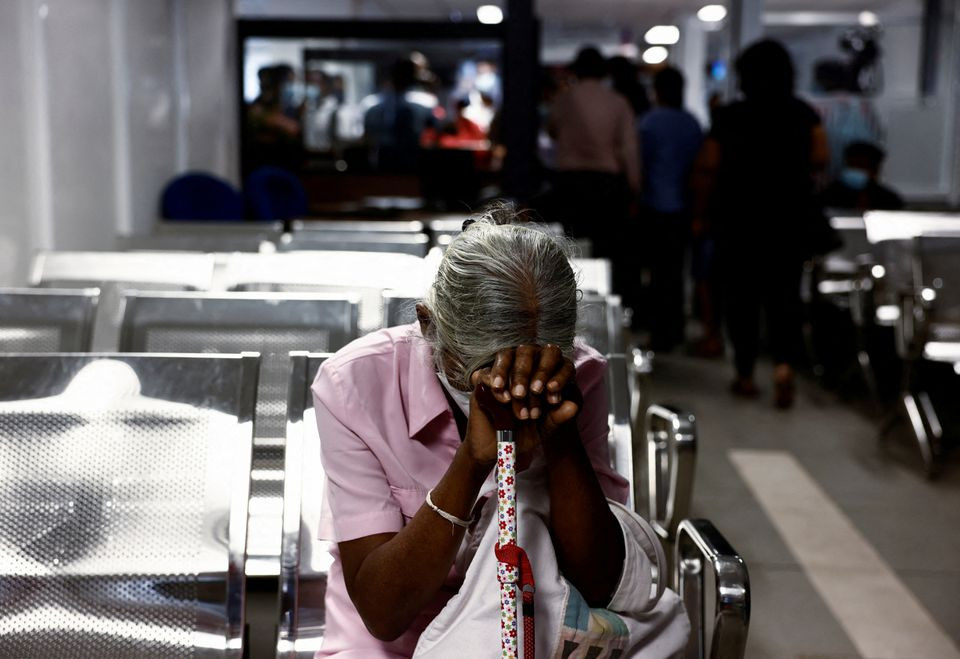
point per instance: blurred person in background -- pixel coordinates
(273, 121)
(394, 125)
(670, 139)
(596, 162)
(847, 116)
(625, 80)
(755, 186)
(858, 187)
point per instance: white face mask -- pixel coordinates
(461, 398)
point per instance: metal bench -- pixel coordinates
(415, 244)
(702, 550)
(594, 275)
(366, 274)
(452, 226)
(667, 461)
(205, 237)
(46, 320)
(272, 324)
(358, 226)
(124, 481)
(931, 333)
(142, 270)
(621, 439)
(305, 559)
(399, 308)
(600, 323)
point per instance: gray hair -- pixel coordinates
(502, 282)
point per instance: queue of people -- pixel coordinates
(743, 202)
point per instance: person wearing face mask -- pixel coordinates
(858, 185)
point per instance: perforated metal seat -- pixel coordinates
(272, 324)
(35, 320)
(124, 484)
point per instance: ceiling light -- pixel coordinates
(868, 19)
(712, 13)
(489, 14)
(655, 55)
(663, 35)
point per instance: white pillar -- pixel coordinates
(746, 23)
(693, 64)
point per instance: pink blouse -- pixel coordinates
(387, 435)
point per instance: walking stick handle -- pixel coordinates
(500, 415)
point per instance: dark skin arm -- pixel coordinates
(391, 576)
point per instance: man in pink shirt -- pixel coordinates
(399, 426)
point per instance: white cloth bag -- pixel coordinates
(643, 618)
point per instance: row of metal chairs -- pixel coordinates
(365, 273)
(229, 322)
(127, 481)
(900, 270)
(413, 237)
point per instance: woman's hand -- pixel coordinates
(526, 375)
(530, 430)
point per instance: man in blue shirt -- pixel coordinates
(670, 138)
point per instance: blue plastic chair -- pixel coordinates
(275, 194)
(199, 196)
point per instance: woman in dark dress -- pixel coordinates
(756, 187)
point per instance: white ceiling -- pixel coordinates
(636, 15)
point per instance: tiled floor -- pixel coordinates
(913, 524)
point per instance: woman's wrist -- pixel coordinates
(474, 468)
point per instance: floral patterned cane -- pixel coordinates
(507, 573)
(513, 567)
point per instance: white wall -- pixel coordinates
(104, 101)
(15, 228)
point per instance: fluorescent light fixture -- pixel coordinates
(489, 14)
(868, 19)
(655, 55)
(939, 351)
(888, 314)
(712, 13)
(663, 35)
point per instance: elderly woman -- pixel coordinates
(406, 447)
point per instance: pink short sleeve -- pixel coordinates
(593, 423)
(358, 490)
